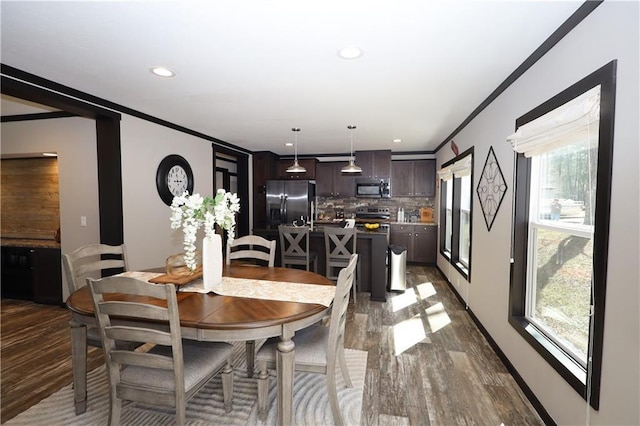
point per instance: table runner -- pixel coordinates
(256, 289)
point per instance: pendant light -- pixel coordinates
(296, 168)
(351, 167)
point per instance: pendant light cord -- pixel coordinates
(351, 128)
(295, 130)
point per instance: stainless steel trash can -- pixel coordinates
(397, 268)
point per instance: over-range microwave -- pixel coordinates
(373, 188)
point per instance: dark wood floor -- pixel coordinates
(427, 363)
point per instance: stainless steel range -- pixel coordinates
(368, 214)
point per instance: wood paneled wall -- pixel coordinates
(30, 198)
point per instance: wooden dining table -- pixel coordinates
(215, 318)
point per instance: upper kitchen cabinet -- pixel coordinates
(413, 178)
(307, 163)
(331, 183)
(374, 164)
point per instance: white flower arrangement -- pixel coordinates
(191, 212)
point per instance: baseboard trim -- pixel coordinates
(535, 402)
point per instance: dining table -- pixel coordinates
(213, 317)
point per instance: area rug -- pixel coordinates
(310, 402)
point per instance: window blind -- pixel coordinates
(572, 122)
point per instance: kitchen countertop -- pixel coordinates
(29, 243)
(414, 223)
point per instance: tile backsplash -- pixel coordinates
(326, 206)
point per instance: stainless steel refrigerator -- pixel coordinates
(289, 201)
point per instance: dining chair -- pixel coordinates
(340, 244)
(94, 260)
(172, 370)
(294, 247)
(251, 249)
(317, 348)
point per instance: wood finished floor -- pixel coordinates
(428, 364)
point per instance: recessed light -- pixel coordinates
(162, 71)
(288, 144)
(350, 52)
(397, 140)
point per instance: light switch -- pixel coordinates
(83, 221)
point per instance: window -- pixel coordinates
(562, 191)
(456, 178)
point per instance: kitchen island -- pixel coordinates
(372, 251)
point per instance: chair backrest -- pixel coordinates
(90, 261)
(252, 247)
(340, 303)
(157, 304)
(339, 243)
(294, 242)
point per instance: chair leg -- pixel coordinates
(333, 393)
(116, 409)
(343, 368)
(263, 390)
(251, 351)
(181, 412)
(227, 386)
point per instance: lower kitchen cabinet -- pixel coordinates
(32, 274)
(419, 239)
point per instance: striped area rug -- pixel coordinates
(311, 405)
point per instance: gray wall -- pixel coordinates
(610, 32)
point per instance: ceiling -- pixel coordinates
(248, 71)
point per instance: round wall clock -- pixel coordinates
(174, 177)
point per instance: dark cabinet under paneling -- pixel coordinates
(32, 274)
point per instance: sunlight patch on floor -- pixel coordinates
(403, 300)
(426, 290)
(408, 333)
(437, 317)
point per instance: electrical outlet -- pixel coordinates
(83, 221)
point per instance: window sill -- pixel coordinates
(571, 371)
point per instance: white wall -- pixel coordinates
(610, 32)
(147, 231)
(74, 139)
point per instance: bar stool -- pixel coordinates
(340, 244)
(294, 247)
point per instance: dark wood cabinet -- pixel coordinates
(264, 169)
(374, 164)
(424, 243)
(419, 240)
(307, 163)
(331, 183)
(32, 274)
(413, 178)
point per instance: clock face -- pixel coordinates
(173, 178)
(177, 180)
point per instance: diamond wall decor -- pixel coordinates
(491, 188)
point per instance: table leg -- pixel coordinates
(79, 364)
(285, 371)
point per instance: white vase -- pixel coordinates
(211, 261)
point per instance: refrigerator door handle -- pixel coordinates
(284, 210)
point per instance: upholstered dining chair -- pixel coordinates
(318, 349)
(294, 247)
(172, 370)
(94, 260)
(252, 248)
(340, 244)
